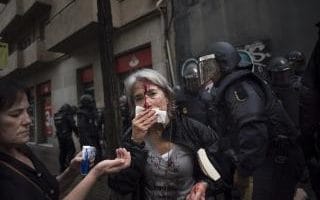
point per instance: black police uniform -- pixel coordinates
(286, 83)
(257, 133)
(65, 124)
(289, 96)
(194, 106)
(88, 126)
(124, 113)
(309, 116)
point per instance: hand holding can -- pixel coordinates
(88, 155)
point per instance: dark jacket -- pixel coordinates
(88, 126)
(65, 124)
(311, 76)
(249, 117)
(182, 131)
(194, 106)
(310, 104)
(310, 117)
(15, 186)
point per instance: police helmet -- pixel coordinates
(219, 59)
(226, 56)
(280, 71)
(278, 64)
(86, 100)
(190, 75)
(66, 108)
(297, 60)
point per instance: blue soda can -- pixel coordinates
(88, 153)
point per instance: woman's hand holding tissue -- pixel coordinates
(141, 123)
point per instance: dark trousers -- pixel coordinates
(272, 182)
(314, 171)
(67, 152)
(277, 181)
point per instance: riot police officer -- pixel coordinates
(124, 112)
(284, 85)
(88, 124)
(191, 99)
(297, 61)
(257, 134)
(309, 115)
(65, 124)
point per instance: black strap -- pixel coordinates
(24, 176)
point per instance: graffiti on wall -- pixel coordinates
(259, 52)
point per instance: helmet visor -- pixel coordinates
(209, 69)
(190, 75)
(192, 84)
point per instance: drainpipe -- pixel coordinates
(167, 44)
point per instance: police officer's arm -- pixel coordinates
(309, 105)
(205, 137)
(245, 102)
(73, 125)
(309, 120)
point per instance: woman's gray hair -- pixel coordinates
(154, 77)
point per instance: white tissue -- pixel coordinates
(139, 109)
(161, 114)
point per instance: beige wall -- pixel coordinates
(71, 19)
(126, 11)
(143, 33)
(63, 77)
(58, 5)
(63, 74)
(68, 17)
(12, 9)
(26, 4)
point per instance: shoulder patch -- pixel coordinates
(240, 94)
(184, 110)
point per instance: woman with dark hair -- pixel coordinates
(22, 175)
(163, 146)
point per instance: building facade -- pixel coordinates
(54, 46)
(54, 50)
